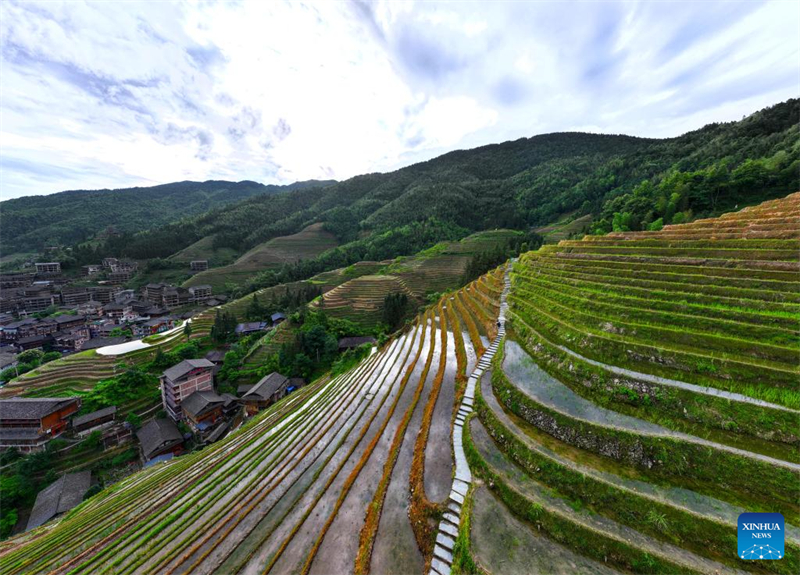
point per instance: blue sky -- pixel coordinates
(118, 94)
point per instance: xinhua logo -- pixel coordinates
(760, 536)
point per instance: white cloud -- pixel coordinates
(120, 94)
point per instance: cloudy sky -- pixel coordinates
(116, 94)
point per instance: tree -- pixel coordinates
(187, 329)
(395, 308)
(50, 356)
(224, 326)
(303, 366)
(134, 420)
(32, 357)
(254, 309)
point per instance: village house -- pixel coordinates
(116, 434)
(104, 294)
(152, 292)
(120, 277)
(15, 280)
(48, 268)
(59, 497)
(277, 318)
(203, 409)
(69, 342)
(160, 438)
(267, 391)
(66, 322)
(118, 312)
(198, 265)
(90, 309)
(216, 356)
(91, 270)
(355, 342)
(73, 297)
(200, 293)
(35, 342)
(250, 327)
(153, 326)
(85, 424)
(124, 294)
(181, 380)
(27, 424)
(16, 330)
(173, 297)
(29, 330)
(125, 266)
(39, 301)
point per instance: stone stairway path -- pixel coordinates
(448, 527)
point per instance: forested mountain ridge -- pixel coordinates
(529, 182)
(33, 222)
(618, 182)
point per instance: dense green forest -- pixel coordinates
(33, 222)
(625, 183)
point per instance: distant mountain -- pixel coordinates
(30, 223)
(618, 181)
(607, 181)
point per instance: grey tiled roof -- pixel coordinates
(62, 495)
(156, 433)
(32, 408)
(198, 401)
(81, 419)
(267, 386)
(184, 367)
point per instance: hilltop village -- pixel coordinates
(49, 310)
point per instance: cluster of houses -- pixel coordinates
(91, 317)
(26, 293)
(189, 397)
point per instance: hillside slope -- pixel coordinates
(619, 182)
(608, 439)
(307, 243)
(33, 222)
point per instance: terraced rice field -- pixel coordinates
(607, 431)
(306, 244)
(436, 270)
(603, 442)
(361, 299)
(564, 228)
(347, 474)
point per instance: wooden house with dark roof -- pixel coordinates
(59, 497)
(27, 424)
(267, 391)
(91, 421)
(203, 409)
(159, 437)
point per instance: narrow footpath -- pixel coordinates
(448, 527)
